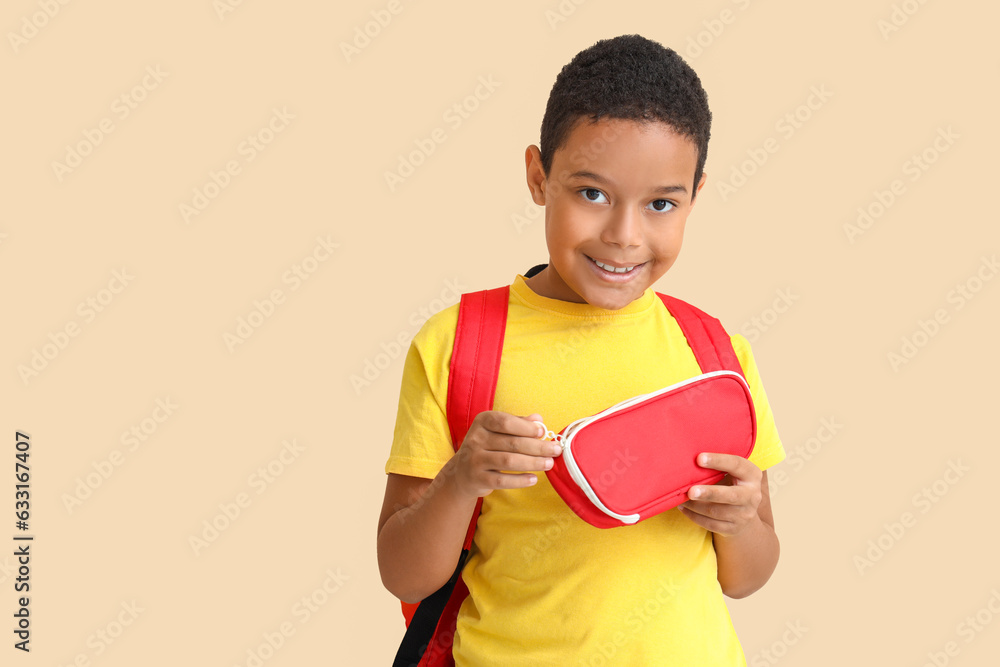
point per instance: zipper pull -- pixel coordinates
(549, 435)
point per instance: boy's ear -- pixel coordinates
(535, 174)
(697, 190)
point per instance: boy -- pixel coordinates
(623, 146)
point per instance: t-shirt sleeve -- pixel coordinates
(767, 449)
(421, 441)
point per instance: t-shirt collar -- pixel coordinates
(519, 288)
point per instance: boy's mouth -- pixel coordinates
(611, 268)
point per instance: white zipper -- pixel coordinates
(566, 438)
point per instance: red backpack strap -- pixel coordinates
(708, 339)
(475, 358)
(472, 379)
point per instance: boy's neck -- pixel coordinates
(546, 282)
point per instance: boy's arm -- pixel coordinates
(423, 522)
(421, 532)
(746, 561)
(738, 512)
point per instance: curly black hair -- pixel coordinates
(631, 78)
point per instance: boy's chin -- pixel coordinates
(598, 293)
(613, 299)
(588, 288)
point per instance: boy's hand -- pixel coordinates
(499, 451)
(729, 507)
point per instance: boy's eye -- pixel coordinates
(661, 205)
(594, 195)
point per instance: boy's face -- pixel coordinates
(617, 197)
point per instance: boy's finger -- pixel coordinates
(505, 423)
(509, 462)
(503, 480)
(526, 446)
(737, 466)
(716, 493)
(534, 421)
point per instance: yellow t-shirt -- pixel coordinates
(547, 588)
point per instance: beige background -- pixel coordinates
(454, 220)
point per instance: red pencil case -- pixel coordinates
(638, 457)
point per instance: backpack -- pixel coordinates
(473, 373)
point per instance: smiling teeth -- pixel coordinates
(606, 267)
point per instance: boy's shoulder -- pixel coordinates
(436, 332)
(439, 326)
(438, 329)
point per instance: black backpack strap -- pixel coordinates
(427, 616)
(535, 270)
(472, 379)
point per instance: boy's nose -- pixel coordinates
(623, 228)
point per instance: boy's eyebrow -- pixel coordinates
(663, 189)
